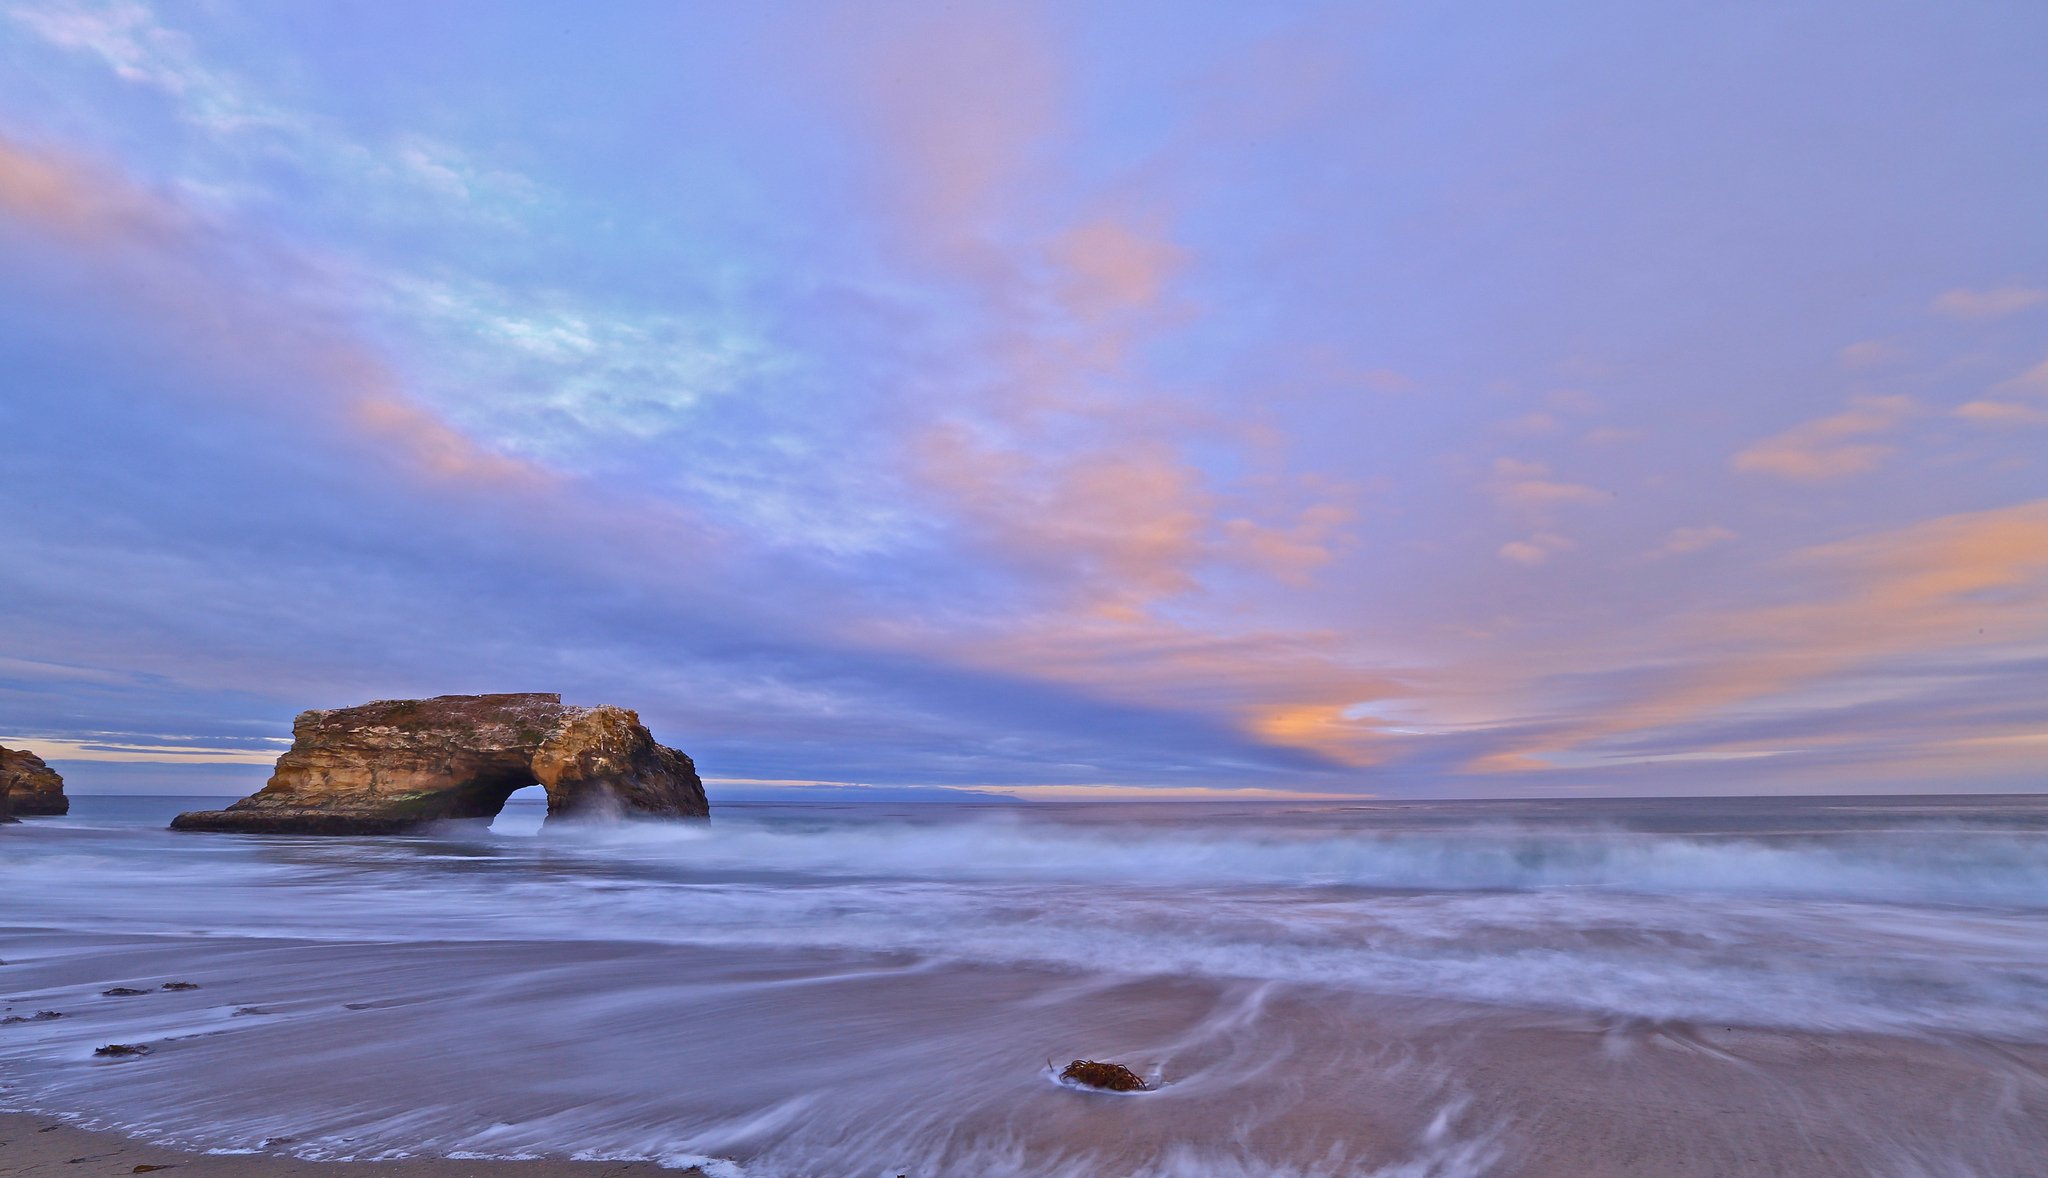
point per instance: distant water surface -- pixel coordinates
(1757, 986)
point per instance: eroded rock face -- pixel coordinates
(393, 765)
(28, 787)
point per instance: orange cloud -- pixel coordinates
(1109, 266)
(2033, 382)
(1987, 304)
(1326, 728)
(1684, 540)
(164, 264)
(1061, 455)
(1537, 549)
(1125, 526)
(1870, 353)
(2000, 413)
(1293, 553)
(963, 101)
(1831, 447)
(437, 447)
(85, 205)
(1979, 578)
(1528, 486)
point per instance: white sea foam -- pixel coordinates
(1927, 928)
(819, 968)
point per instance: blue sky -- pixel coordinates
(1397, 399)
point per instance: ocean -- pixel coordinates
(1809, 987)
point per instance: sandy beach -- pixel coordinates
(35, 1146)
(1785, 991)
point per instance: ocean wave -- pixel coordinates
(1925, 929)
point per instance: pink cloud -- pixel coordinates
(1992, 303)
(962, 100)
(2001, 413)
(1293, 552)
(1870, 353)
(1109, 265)
(1528, 486)
(1686, 540)
(2032, 382)
(1974, 579)
(1832, 447)
(163, 260)
(1537, 549)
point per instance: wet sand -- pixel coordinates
(825, 996)
(45, 1147)
(413, 1061)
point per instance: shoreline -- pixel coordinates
(36, 1145)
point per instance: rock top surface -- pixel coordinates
(393, 765)
(28, 787)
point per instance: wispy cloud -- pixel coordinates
(907, 396)
(2001, 413)
(1529, 486)
(1681, 541)
(1870, 353)
(1990, 303)
(1973, 580)
(2032, 382)
(129, 748)
(1831, 447)
(1536, 549)
(127, 37)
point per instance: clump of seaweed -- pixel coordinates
(122, 1050)
(179, 986)
(123, 992)
(1112, 1077)
(40, 1016)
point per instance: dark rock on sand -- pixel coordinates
(40, 1016)
(179, 986)
(123, 1050)
(1114, 1077)
(29, 788)
(394, 765)
(123, 992)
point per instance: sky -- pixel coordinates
(1062, 401)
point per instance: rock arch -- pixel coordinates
(393, 765)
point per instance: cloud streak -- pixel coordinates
(972, 400)
(1832, 447)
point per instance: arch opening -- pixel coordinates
(523, 812)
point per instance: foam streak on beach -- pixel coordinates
(1756, 986)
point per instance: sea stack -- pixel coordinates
(394, 765)
(29, 788)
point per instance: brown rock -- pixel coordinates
(29, 788)
(1113, 1076)
(394, 765)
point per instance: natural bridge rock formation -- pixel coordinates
(393, 765)
(29, 787)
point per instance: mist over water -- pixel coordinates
(1388, 988)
